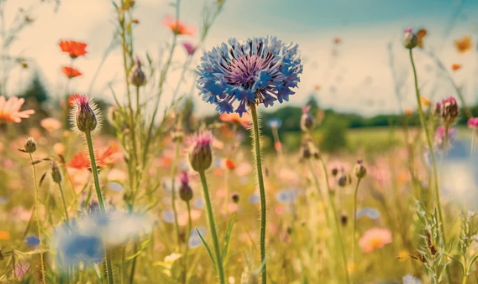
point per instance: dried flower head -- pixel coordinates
(84, 115)
(410, 40)
(200, 154)
(258, 71)
(306, 120)
(73, 48)
(359, 170)
(137, 77)
(10, 110)
(30, 145)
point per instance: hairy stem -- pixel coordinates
(260, 180)
(212, 228)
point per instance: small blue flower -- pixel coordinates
(194, 239)
(286, 196)
(369, 212)
(199, 203)
(168, 216)
(274, 123)
(259, 70)
(33, 241)
(410, 279)
(116, 186)
(75, 247)
(254, 198)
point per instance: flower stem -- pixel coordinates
(212, 228)
(473, 134)
(432, 156)
(173, 191)
(64, 203)
(355, 229)
(260, 180)
(94, 171)
(336, 221)
(186, 256)
(35, 209)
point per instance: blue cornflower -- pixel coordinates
(194, 239)
(274, 123)
(286, 196)
(254, 198)
(260, 70)
(371, 213)
(32, 241)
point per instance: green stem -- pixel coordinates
(186, 256)
(212, 227)
(64, 203)
(133, 265)
(355, 229)
(465, 278)
(336, 221)
(94, 171)
(260, 180)
(42, 262)
(173, 191)
(432, 156)
(473, 142)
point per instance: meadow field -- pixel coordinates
(221, 158)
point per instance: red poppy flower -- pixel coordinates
(70, 72)
(79, 161)
(455, 66)
(230, 164)
(73, 48)
(177, 27)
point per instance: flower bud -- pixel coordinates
(335, 171)
(185, 191)
(200, 155)
(84, 113)
(137, 77)
(30, 145)
(449, 110)
(55, 172)
(343, 180)
(344, 219)
(360, 170)
(305, 151)
(410, 40)
(306, 120)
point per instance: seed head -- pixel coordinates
(185, 191)
(410, 40)
(360, 170)
(84, 114)
(137, 77)
(200, 154)
(306, 120)
(30, 145)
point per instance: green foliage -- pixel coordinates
(333, 135)
(36, 90)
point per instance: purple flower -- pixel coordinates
(260, 70)
(440, 136)
(189, 47)
(473, 122)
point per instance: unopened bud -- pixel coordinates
(200, 155)
(235, 197)
(185, 192)
(30, 145)
(410, 40)
(137, 77)
(449, 110)
(360, 170)
(84, 113)
(344, 219)
(306, 120)
(343, 180)
(55, 172)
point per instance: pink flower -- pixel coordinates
(189, 47)
(50, 124)
(375, 238)
(473, 122)
(10, 110)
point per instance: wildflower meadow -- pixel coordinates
(238, 141)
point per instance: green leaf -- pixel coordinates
(207, 248)
(227, 237)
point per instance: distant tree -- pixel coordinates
(36, 90)
(334, 135)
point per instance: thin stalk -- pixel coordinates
(465, 278)
(64, 203)
(355, 228)
(186, 256)
(133, 265)
(173, 191)
(94, 171)
(260, 180)
(473, 134)
(336, 221)
(42, 262)
(212, 227)
(432, 155)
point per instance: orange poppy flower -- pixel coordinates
(316, 87)
(79, 161)
(230, 164)
(10, 110)
(425, 101)
(455, 66)
(409, 111)
(337, 40)
(177, 27)
(4, 235)
(73, 48)
(421, 33)
(245, 120)
(463, 45)
(110, 155)
(70, 72)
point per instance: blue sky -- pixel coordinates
(353, 76)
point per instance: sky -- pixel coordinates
(353, 76)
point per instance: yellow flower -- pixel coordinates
(425, 101)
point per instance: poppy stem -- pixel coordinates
(35, 209)
(212, 228)
(260, 180)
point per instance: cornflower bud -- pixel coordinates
(449, 110)
(185, 191)
(137, 77)
(235, 197)
(410, 40)
(306, 120)
(359, 170)
(84, 114)
(55, 172)
(30, 145)
(200, 154)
